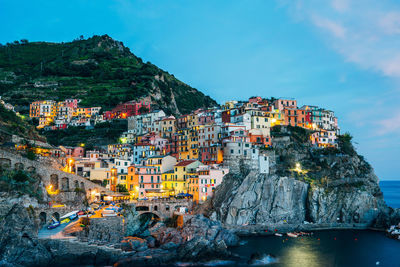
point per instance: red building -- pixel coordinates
(255, 99)
(172, 147)
(226, 116)
(128, 109)
(211, 154)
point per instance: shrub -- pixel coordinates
(345, 144)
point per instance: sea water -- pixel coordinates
(327, 248)
(391, 193)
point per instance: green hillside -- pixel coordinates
(99, 70)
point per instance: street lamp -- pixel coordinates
(113, 181)
(70, 163)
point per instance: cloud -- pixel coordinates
(390, 23)
(367, 35)
(340, 5)
(389, 125)
(335, 28)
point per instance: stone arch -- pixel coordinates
(56, 216)
(167, 207)
(83, 185)
(19, 166)
(155, 208)
(155, 215)
(54, 181)
(76, 184)
(5, 163)
(64, 184)
(43, 218)
(142, 208)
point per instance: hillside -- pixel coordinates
(11, 124)
(98, 70)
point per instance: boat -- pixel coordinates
(108, 213)
(66, 220)
(73, 216)
(292, 234)
(70, 216)
(53, 225)
(278, 234)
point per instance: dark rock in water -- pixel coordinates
(261, 259)
(151, 241)
(254, 256)
(169, 246)
(134, 244)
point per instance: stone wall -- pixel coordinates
(101, 231)
(63, 181)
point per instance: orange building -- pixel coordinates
(132, 182)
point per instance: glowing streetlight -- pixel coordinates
(113, 179)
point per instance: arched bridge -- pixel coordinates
(62, 181)
(161, 208)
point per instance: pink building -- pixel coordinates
(209, 176)
(255, 99)
(149, 180)
(75, 152)
(285, 103)
(206, 118)
(72, 103)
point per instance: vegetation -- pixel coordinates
(21, 182)
(121, 188)
(102, 134)
(11, 123)
(345, 145)
(98, 70)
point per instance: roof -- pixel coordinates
(185, 163)
(157, 156)
(142, 144)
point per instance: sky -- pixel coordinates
(342, 55)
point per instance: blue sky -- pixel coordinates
(343, 55)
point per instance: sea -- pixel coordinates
(325, 248)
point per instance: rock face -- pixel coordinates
(107, 230)
(199, 239)
(18, 237)
(335, 188)
(260, 199)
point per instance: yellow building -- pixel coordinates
(193, 142)
(183, 144)
(168, 182)
(277, 118)
(182, 172)
(168, 127)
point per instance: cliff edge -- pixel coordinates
(334, 187)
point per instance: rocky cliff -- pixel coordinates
(329, 186)
(19, 228)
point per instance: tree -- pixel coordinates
(345, 145)
(121, 188)
(143, 110)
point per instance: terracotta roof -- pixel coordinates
(185, 162)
